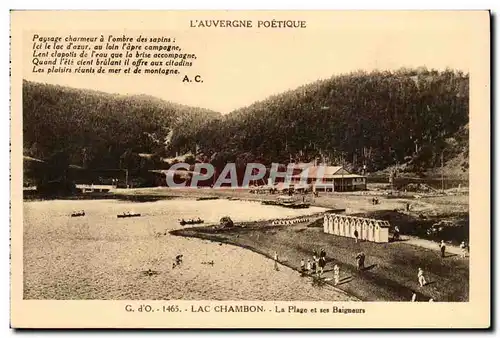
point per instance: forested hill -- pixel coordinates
(379, 119)
(95, 129)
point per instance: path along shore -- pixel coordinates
(391, 268)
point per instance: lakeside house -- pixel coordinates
(150, 173)
(328, 178)
(317, 178)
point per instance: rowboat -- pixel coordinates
(128, 215)
(78, 214)
(191, 221)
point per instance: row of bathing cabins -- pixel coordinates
(366, 229)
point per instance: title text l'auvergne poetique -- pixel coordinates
(247, 24)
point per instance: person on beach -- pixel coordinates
(463, 249)
(315, 261)
(421, 278)
(360, 260)
(321, 264)
(396, 233)
(356, 235)
(414, 297)
(336, 274)
(308, 266)
(302, 266)
(322, 253)
(178, 259)
(442, 246)
(313, 266)
(276, 261)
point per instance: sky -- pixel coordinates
(241, 66)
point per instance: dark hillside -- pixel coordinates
(378, 119)
(95, 129)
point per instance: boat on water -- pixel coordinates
(297, 206)
(287, 202)
(270, 202)
(78, 214)
(334, 211)
(207, 198)
(191, 221)
(128, 214)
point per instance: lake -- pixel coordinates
(100, 256)
(436, 183)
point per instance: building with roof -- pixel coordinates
(329, 178)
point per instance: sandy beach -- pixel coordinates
(391, 268)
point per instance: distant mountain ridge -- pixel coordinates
(378, 119)
(95, 129)
(405, 118)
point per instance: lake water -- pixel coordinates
(436, 183)
(102, 257)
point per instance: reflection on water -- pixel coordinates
(102, 257)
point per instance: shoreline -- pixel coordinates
(193, 233)
(159, 193)
(388, 276)
(391, 267)
(426, 209)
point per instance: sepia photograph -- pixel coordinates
(247, 158)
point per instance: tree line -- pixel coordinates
(376, 119)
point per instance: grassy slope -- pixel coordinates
(393, 266)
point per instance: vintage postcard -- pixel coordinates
(250, 169)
